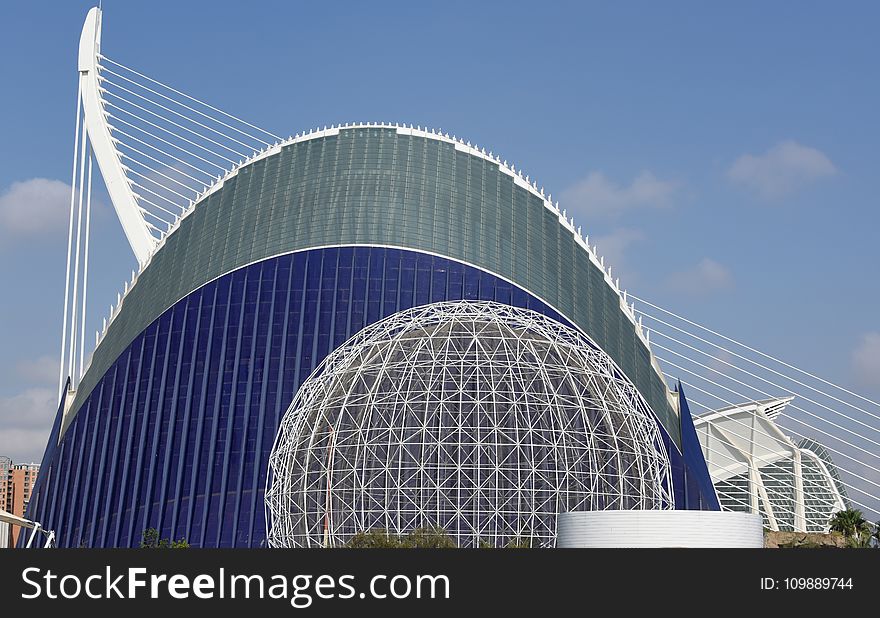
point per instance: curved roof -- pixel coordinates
(460, 144)
(194, 225)
(521, 180)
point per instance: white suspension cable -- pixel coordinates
(732, 353)
(750, 349)
(153, 227)
(171, 122)
(839, 439)
(192, 109)
(160, 162)
(183, 94)
(164, 141)
(156, 206)
(744, 397)
(139, 186)
(158, 173)
(176, 113)
(70, 242)
(773, 384)
(146, 211)
(159, 184)
(159, 150)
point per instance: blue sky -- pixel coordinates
(724, 157)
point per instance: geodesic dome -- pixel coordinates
(477, 417)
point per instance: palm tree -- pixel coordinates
(854, 527)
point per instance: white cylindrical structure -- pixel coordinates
(659, 529)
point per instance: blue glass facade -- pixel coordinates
(177, 433)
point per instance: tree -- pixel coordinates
(375, 538)
(424, 538)
(853, 526)
(519, 543)
(428, 538)
(151, 540)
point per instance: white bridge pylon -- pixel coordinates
(158, 150)
(119, 186)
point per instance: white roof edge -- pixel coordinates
(748, 406)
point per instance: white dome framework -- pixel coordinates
(480, 418)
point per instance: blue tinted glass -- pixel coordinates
(178, 432)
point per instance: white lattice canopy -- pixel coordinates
(480, 418)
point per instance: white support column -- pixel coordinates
(85, 283)
(800, 520)
(62, 374)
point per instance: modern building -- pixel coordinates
(16, 484)
(5, 468)
(757, 468)
(653, 528)
(5, 483)
(381, 325)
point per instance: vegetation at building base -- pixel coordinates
(847, 528)
(150, 540)
(854, 527)
(420, 538)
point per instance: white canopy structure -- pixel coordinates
(757, 468)
(14, 520)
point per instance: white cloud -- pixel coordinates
(706, 277)
(597, 195)
(34, 207)
(613, 248)
(782, 170)
(25, 423)
(42, 371)
(866, 359)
